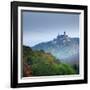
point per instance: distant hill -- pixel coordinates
(40, 63)
(62, 47)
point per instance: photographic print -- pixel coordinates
(49, 44)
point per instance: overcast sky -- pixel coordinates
(40, 26)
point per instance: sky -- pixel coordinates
(40, 27)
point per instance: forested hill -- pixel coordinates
(62, 47)
(39, 63)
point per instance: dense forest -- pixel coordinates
(40, 63)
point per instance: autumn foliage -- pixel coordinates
(40, 63)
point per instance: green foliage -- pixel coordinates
(76, 67)
(44, 64)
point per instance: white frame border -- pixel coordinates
(51, 78)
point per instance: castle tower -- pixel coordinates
(64, 33)
(58, 35)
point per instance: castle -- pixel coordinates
(63, 37)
